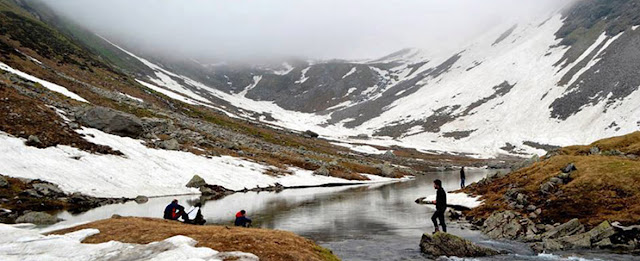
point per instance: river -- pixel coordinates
(365, 222)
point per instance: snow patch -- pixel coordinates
(142, 171)
(132, 97)
(353, 70)
(49, 85)
(287, 69)
(256, 80)
(460, 199)
(361, 148)
(303, 77)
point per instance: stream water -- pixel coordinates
(366, 222)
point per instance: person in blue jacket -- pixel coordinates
(242, 220)
(174, 211)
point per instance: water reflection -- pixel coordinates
(367, 222)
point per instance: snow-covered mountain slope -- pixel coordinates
(518, 89)
(141, 170)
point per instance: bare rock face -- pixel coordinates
(509, 225)
(443, 244)
(570, 228)
(596, 237)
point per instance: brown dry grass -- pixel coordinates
(266, 244)
(603, 187)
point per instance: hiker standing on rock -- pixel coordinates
(462, 177)
(441, 206)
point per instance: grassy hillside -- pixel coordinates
(604, 186)
(266, 244)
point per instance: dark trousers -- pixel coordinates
(439, 215)
(462, 183)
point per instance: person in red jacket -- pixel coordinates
(242, 220)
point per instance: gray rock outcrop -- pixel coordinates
(509, 225)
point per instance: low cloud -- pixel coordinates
(324, 29)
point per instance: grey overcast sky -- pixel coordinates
(324, 29)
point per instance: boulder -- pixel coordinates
(3, 182)
(112, 121)
(548, 187)
(141, 199)
(594, 150)
(443, 244)
(171, 144)
(598, 236)
(196, 182)
(569, 168)
(572, 227)
(389, 154)
(33, 140)
(37, 218)
(310, 134)
(322, 171)
(386, 170)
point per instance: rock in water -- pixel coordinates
(37, 218)
(196, 182)
(443, 244)
(141, 199)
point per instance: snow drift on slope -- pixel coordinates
(142, 171)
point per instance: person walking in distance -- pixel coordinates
(462, 177)
(441, 206)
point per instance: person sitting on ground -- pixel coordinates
(195, 215)
(174, 211)
(441, 206)
(242, 220)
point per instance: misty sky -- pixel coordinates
(245, 29)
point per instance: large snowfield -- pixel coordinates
(141, 171)
(18, 244)
(525, 58)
